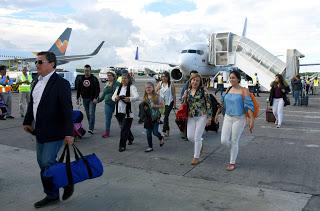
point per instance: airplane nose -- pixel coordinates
(185, 63)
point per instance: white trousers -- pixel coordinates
(231, 132)
(277, 109)
(24, 101)
(195, 129)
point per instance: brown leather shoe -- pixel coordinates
(195, 161)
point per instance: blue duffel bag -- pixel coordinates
(83, 168)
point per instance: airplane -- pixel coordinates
(193, 57)
(58, 48)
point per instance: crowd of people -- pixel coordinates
(48, 114)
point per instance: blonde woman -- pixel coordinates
(199, 114)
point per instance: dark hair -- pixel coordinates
(50, 56)
(127, 75)
(298, 76)
(281, 80)
(87, 66)
(3, 67)
(193, 71)
(237, 74)
(167, 75)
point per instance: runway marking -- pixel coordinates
(284, 128)
(312, 145)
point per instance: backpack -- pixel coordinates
(256, 105)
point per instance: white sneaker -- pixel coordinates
(90, 131)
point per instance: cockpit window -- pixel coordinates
(192, 51)
(200, 52)
(184, 51)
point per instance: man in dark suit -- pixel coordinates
(49, 118)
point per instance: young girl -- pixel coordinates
(199, 114)
(151, 104)
(237, 103)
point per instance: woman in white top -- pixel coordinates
(124, 95)
(167, 92)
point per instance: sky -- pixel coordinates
(161, 28)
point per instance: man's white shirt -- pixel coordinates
(38, 91)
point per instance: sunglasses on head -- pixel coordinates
(40, 62)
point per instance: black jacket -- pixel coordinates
(284, 91)
(88, 87)
(54, 114)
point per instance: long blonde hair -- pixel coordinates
(154, 97)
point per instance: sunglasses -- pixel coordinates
(40, 62)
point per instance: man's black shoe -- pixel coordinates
(45, 202)
(122, 149)
(130, 142)
(10, 117)
(68, 191)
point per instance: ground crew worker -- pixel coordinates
(6, 83)
(315, 85)
(255, 82)
(220, 86)
(24, 82)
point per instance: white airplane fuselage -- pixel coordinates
(194, 57)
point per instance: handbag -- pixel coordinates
(182, 113)
(83, 168)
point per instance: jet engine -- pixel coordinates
(176, 74)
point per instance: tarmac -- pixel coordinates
(278, 168)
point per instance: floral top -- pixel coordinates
(199, 104)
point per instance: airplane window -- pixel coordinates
(184, 51)
(192, 51)
(200, 52)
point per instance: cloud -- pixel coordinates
(276, 25)
(6, 44)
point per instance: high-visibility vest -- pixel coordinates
(25, 87)
(254, 80)
(2, 89)
(316, 82)
(220, 81)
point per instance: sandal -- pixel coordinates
(231, 167)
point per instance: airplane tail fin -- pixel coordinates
(137, 54)
(60, 46)
(244, 32)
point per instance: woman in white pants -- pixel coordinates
(199, 114)
(237, 103)
(278, 98)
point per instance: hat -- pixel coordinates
(112, 72)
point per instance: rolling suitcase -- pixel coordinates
(269, 115)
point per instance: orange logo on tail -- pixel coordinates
(62, 46)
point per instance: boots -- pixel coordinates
(106, 134)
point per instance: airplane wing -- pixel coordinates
(60, 59)
(314, 64)
(154, 62)
(66, 59)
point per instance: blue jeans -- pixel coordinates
(297, 94)
(46, 156)
(155, 131)
(90, 109)
(108, 111)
